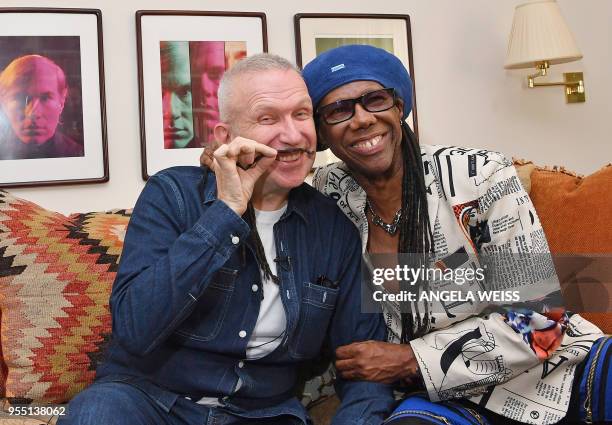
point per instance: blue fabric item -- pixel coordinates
(183, 307)
(601, 387)
(119, 402)
(345, 64)
(419, 407)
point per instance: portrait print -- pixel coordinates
(41, 113)
(190, 75)
(182, 56)
(324, 44)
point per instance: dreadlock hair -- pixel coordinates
(415, 236)
(253, 64)
(260, 253)
(249, 218)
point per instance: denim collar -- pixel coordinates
(298, 197)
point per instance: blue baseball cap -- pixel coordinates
(354, 62)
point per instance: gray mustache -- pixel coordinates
(279, 152)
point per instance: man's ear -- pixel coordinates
(400, 105)
(222, 133)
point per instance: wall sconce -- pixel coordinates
(539, 38)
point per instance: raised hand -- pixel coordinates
(237, 167)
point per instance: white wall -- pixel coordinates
(464, 95)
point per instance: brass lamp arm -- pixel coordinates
(573, 82)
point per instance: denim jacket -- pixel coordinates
(188, 290)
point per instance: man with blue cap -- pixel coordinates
(454, 205)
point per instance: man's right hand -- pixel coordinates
(378, 361)
(235, 184)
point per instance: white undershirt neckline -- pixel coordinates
(271, 321)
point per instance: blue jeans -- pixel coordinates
(120, 403)
(417, 409)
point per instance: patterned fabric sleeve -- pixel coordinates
(542, 326)
(320, 178)
(467, 357)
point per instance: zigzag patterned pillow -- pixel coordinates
(56, 275)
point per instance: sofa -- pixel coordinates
(56, 274)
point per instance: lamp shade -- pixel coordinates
(539, 33)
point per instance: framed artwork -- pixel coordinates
(316, 33)
(52, 113)
(182, 56)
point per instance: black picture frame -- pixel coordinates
(182, 27)
(71, 38)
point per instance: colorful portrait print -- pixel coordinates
(40, 98)
(191, 73)
(323, 44)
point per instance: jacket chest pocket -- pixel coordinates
(316, 309)
(211, 308)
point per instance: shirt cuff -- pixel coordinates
(420, 348)
(222, 227)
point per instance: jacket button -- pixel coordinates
(254, 288)
(242, 334)
(235, 240)
(241, 364)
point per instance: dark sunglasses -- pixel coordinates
(343, 110)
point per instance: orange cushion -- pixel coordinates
(576, 213)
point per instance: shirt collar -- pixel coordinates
(299, 197)
(210, 190)
(298, 202)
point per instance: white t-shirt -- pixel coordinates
(271, 322)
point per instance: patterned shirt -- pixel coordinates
(519, 363)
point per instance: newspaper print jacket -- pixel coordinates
(519, 364)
